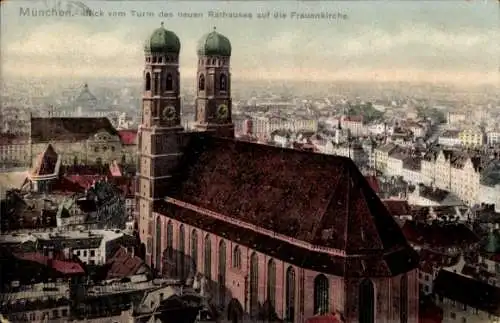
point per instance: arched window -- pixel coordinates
(290, 295)
(321, 295)
(237, 258)
(271, 284)
(366, 308)
(194, 250)
(170, 83)
(182, 251)
(254, 284)
(207, 268)
(148, 82)
(223, 82)
(403, 298)
(98, 161)
(157, 83)
(201, 83)
(222, 273)
(170, 240)
(158, 243)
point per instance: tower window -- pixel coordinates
(154, 59)
(160, 59)
(157, 84)
(169, 82)
(148, 82)
(223, 82)
(201, 83)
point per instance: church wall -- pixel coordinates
(343, 295)
(387, 302)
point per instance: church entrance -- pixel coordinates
(234, 311)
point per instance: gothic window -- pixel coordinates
(207, 266)
(223, 82)
(321, 295)
(157, 84)
(237, 258)
(170, 239)
(158, 243)
(403, 298)
(254, 284)
(201, 83)
(194, 249)
(182, 250)
(271, 284)
(290, 295)
(222, 273)
(366, 308)
(148, 82)
(170, 83)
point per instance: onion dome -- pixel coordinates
(214, 44)
(163, 41)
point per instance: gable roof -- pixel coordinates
(128, 136)
(68, 129)
(46, 162)
(319, 199)
(466, 290)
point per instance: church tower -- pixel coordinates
(213, 99)
(158, 144)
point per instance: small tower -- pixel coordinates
(213, 95)
(158, 149)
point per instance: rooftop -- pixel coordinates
(258, 185)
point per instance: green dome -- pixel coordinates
(163, 41)
(214, 44)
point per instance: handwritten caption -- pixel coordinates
(32, 12)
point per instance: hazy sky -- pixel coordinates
(440, 41)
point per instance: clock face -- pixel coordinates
(222, 111)
(169, 113)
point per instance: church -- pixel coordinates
(281, 235)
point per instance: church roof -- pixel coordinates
(68, 129)
(46, 162)
(319, 199)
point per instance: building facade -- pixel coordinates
(233, 211)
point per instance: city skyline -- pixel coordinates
(392, 41)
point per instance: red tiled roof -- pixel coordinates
(438, 235)
(123, 265)
(115, 169)
(353, 119)
(374, 183)
(62, 266)
(329, 318)
(316, 198)
(128, 137)
(84, 181)
(397, 207)
(46, 162)
(430, 314)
